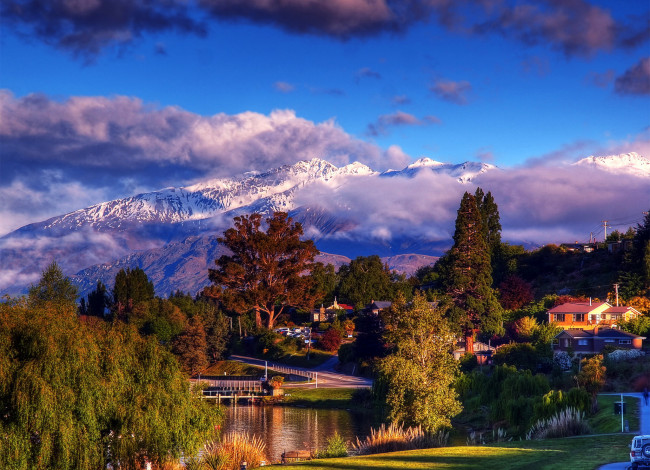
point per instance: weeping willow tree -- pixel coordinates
(83, 396)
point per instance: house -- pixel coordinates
(330, 313)
(581, 315)
(579, 247)
(375, 307)
(621, 245)
(593, 341)
(482, 351)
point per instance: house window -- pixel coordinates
(583, 342)
(610, 341)
(559, 317)
(603, 316)
(624, 341)
(579, 317)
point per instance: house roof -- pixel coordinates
(599, 333)
(381, 304)
(621, 310)
(576, 307)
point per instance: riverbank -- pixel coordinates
(580, 453)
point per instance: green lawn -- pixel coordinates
(319, 397)
(583, 453)
(605, 421)
(233, 368)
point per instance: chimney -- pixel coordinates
(590, 301)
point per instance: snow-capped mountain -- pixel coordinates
(115, 229)
(629, 163)
(463, 172)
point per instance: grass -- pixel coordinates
(319, 397)
(581, 453)
(233, 368)
(605, 421)
(299, 358)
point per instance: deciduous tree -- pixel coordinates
(592, 377)
(365, 279)
(419, 371)
(266, 271)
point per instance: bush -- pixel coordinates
(468, 362)
(562, 360)
(520, 355)
(624, 354)
(331, 340)
(336, 447)
(347, 353)
(234, 448)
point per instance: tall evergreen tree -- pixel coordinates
(131, 286)
(469, 283)
(53, 287)
(98, 301)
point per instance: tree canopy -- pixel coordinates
(469, 281)
(365, 279)
(53, 287)
(84, 395)
(420, 371)
(266, 271)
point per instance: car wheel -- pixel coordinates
(646, 451)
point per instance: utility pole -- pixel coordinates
(605, 225)
(616, 288)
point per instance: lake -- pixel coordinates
(291, 428)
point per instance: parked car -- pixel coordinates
(640, 452)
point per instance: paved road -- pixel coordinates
(644, 421)
(327, 377)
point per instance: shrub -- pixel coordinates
(562, 360)
(336, 447)
(396, 438)
(347, 353)
(624, 354)
(520, 355)
(331, 340)
(234, 448)
(569, 422)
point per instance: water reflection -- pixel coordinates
(290, 428)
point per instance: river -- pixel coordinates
(292, 428)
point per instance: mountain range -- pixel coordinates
(171, 233)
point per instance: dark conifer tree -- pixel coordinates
(469, 282)
(131, 286)
(98, 301)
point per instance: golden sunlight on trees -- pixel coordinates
(86, 395)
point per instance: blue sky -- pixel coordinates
(505, 82)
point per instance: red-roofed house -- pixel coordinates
(581, 315)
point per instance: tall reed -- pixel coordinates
(568, 422)
(395, 437)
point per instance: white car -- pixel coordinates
(640, 452)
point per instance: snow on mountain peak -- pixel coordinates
(625, 163)
(425, 162)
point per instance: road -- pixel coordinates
(327, 376)
(644, 422)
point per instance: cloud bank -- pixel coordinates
(53, 152)
(85, 27)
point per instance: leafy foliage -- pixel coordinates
(592, 378)
(469, 279)
(265, 271)
(420, 371)
(53, 287)
(336, 447)
(83, 396)
(365, 279)
(331, 340)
